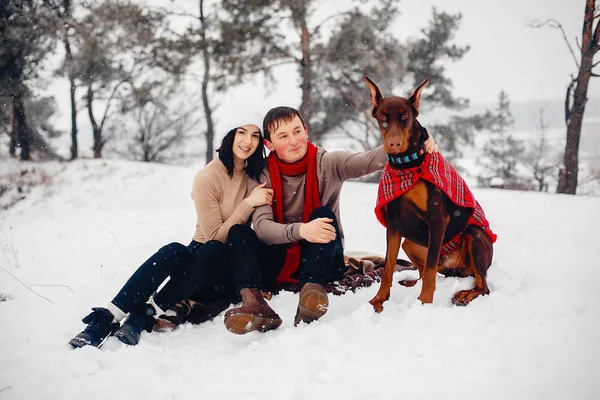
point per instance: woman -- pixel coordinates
(200, 269)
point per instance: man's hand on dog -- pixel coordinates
(318, 230)
(430, 145)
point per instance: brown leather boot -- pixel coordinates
(312, 304)
(254, 314)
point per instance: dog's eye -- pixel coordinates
(404, 116)
(382, 118)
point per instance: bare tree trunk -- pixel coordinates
(305, 65)
(98, 143)
(23, 137)
(589, 46)
(74, 145)
(210, 133)
(66, 16)
(562, 178)
(147, 157)
(12, 147)
(144, 140)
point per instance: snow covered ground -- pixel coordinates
(76, 238)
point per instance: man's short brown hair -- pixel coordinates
(276, 116)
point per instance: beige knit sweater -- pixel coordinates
(218, 200)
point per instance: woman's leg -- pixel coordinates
(192, 275)
(136, 291)
(208, 273)
(167, 261)
(214, 296)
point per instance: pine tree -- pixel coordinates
(119, 45)
(26, 38)
(537, 157)
(334, 52)
(503, 150)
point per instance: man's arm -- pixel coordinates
(264, 224)
(272, 232)
(318, 230)
(354, 165)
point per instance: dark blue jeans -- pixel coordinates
(201, 272)
(257, 265)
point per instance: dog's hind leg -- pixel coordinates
(417, 255)
(393, 247)
(478, 258)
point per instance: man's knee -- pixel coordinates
(212, 255)
(214, 246)
(238, 233)
(323, 212)
(212, 252)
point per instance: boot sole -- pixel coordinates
(242, 323)
(312, 305)
(126, 339)
(77, 343)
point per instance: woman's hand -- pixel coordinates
(430, 145)
(260, 196)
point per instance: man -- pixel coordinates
(301, 236)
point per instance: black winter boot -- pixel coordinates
(139, 319)
(100, 326)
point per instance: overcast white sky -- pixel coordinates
(505, 52)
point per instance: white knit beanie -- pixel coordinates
(233, 116)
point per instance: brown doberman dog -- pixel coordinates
(418, 202)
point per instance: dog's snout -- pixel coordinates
(393, 142)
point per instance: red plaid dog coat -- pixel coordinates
(435, 169)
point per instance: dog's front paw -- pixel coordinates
(464, 297)
(426, 299)
(377, 305)
(377, 302)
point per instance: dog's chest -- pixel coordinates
(407, 214)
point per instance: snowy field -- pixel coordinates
(79, 236)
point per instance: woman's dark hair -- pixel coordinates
(255, 163)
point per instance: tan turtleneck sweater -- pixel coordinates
(218, 200)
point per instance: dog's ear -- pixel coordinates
(415, 98)
(375, 94)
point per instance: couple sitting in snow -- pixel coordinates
(292, 197)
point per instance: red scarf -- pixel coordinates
(307, 165)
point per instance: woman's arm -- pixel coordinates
(207, 193)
